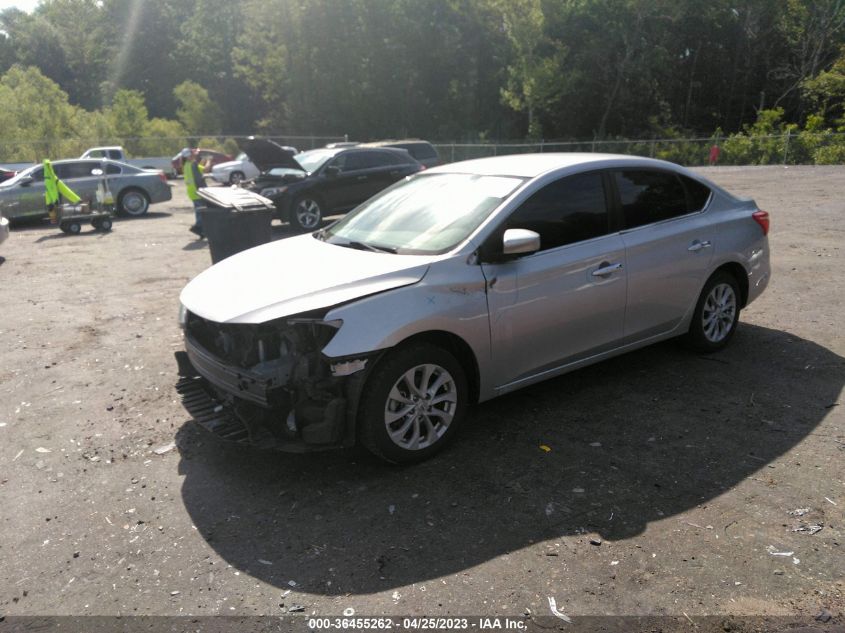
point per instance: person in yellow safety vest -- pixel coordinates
(192, 171)
(54, 189)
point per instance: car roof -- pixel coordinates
(533, 165)
(389, 142)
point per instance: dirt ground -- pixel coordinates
(667, 490)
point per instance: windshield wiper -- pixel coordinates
(362, 246)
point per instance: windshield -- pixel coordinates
(424, 215)
(312, 160)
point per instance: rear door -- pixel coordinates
(566, 301)
(669, 246)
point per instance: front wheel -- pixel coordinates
(716, 313)
(306, 214)
(413, 403)
(133, 203)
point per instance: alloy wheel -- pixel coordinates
(718, 313)
(420, 406)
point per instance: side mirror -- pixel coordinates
(520, 241)
(26, 181)
(332, 171)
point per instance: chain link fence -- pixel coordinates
(789, 148)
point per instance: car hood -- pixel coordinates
(295, 275)
(267, 154)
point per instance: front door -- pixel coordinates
(567, 301)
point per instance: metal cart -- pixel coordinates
(71, 217)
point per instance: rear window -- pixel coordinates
(649, 196)
(697, 194)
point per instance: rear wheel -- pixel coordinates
(133, 202)
(73, 228)
(716, 313)
(236, 177)
(412, 403)
(105, 224)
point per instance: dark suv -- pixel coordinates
(308, 186)
(422, 151)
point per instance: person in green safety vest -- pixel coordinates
(192, 171)
(54, 190)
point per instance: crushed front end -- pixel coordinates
(269, 385)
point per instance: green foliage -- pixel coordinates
(129, 118)
(162, 137)
(197, 112)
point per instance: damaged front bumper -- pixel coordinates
(269, 385)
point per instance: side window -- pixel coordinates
(97, 153)
(112, 169)
(361, 160)
(339, 162)
(568, 210)
(38, 174)
(114, 155)
(76, 170)
(649, 196)
(697, 194)
(384, 159)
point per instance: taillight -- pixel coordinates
(163, 177)
(762, 218)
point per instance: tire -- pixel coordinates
(236, 177)
(74, 228)
(433, 415)
(133, 202)
(716, 314)
(105, 224)
(306, 213)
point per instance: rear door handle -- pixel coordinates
(697, 245)
(607, 269)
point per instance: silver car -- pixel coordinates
(133, 189)
(460, 284)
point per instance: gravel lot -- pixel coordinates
(684, 468)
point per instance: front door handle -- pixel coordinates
(607, 269)
(698, 245)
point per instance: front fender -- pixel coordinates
(451, 298)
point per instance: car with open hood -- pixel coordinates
(309, 186)
(459, 284)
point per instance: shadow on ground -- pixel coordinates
(675, 430)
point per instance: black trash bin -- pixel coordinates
(234, 220)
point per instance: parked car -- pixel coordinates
(133, 189)
(242, 168)
(117, 153)
(5, 174)
(422, 151)
(207, 157)
(307, 187)
(460, 284)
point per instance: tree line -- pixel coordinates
(465, 70)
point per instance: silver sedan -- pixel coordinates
(461, 284)
(133, 189)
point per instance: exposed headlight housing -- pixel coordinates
(273, 191)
